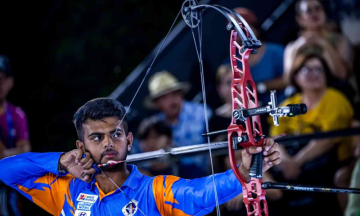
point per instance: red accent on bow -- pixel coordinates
(244, 95)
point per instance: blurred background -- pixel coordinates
(64, 53)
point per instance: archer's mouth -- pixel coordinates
(110, 154)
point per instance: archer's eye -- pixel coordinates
(117, 135)
(96, 138)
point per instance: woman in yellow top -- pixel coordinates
(328, 109)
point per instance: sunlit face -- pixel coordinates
(170, 104)
(6, 84)
(103, 143)
(312, 15)
(311, 76)
(154, 142)
(224, 88)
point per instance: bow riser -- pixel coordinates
(244, 95)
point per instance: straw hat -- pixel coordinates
(162, 83)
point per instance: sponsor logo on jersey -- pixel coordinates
(84, 206)
(87, 198)
(82, 213)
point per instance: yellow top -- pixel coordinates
(333, 112)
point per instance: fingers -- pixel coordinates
(273, 159)
(269, 142)
(277, 161)
(251, 150)
(86, 178)
(87, 165)
(78, 155)
(269, 149)
(90, 171)
(84, 158)
(87, 174)
(271, 153)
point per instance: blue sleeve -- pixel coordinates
(35, 175)
(176, 196)
(19, 168)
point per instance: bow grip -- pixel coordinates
(256, 166)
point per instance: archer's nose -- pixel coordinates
(109, 142)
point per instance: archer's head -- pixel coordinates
(100, 132)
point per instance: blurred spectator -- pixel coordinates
(14, 137)
(267, 65)
(328, 109)
(187, 119)
(155, 134)
(312, 20)
(347, 14)
(222, 115)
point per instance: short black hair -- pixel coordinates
(98, 109)
(156, 124)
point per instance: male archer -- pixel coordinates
(62, 184)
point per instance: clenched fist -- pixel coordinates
(77, 166)
(271, 157)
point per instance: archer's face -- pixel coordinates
(100, 138)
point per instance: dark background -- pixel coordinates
(64, 53)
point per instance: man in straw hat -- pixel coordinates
(186, 119)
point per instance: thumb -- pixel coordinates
(247, 155)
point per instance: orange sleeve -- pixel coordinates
(50, 192)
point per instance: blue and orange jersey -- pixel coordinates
(36, 176)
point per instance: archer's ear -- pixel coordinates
(129, 139)
(79, 145)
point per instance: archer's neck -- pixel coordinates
(118, 176)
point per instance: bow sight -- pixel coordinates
(290, 110)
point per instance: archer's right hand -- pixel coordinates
(77, 166)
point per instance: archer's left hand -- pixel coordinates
(270, 151)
